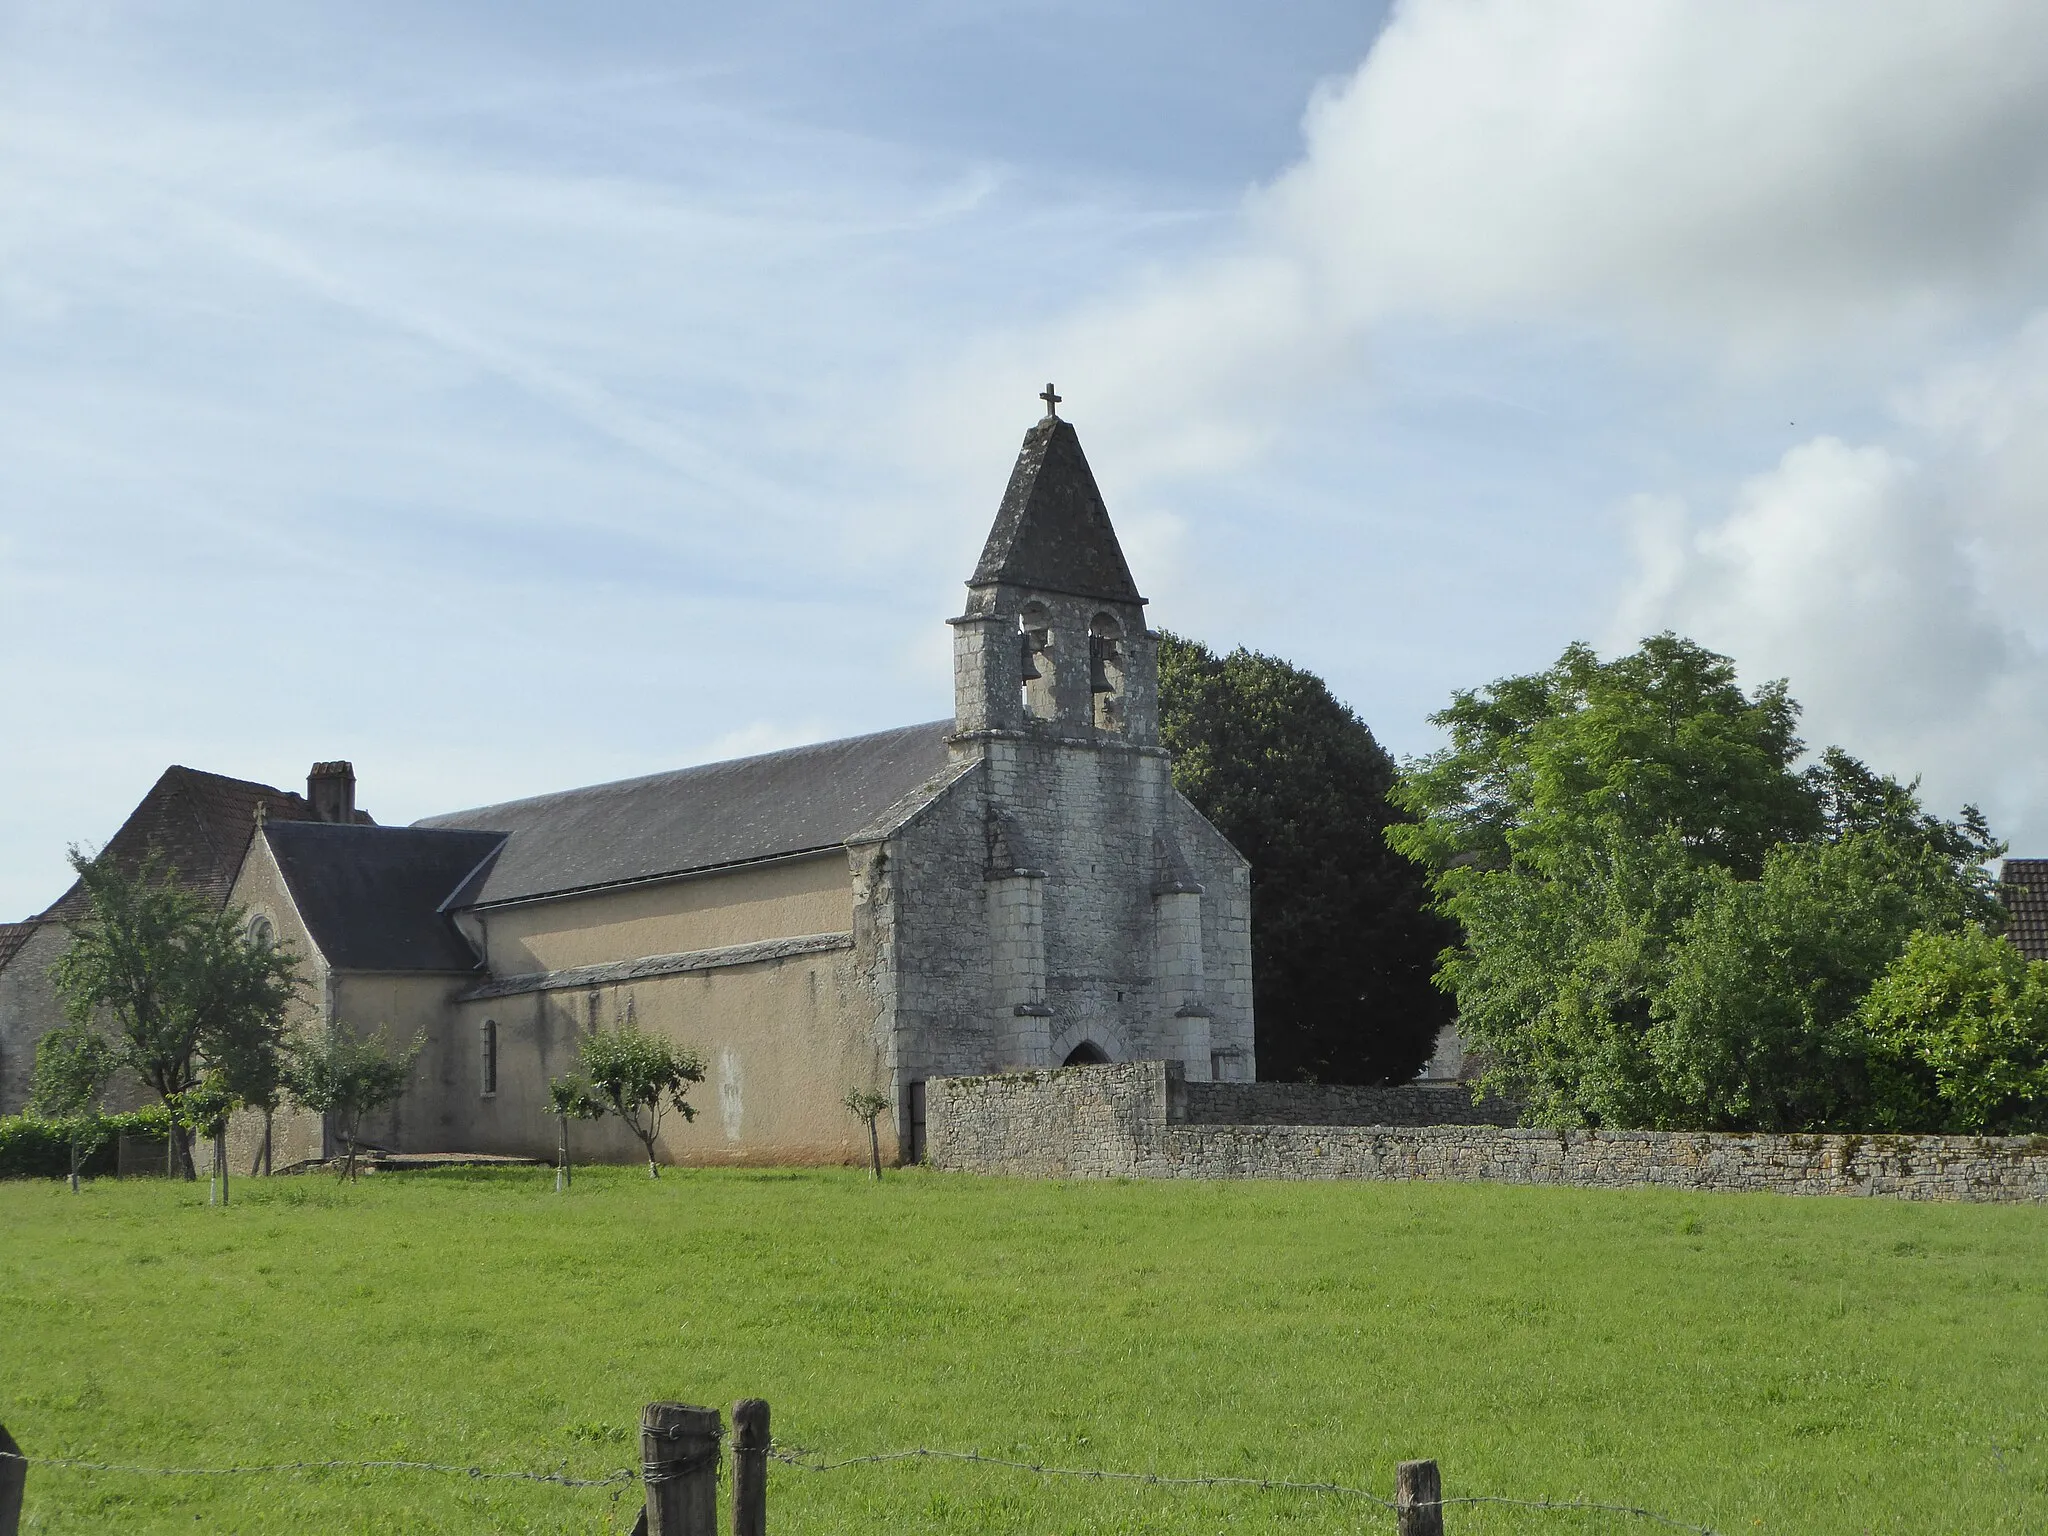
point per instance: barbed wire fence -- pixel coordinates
(681, 1469)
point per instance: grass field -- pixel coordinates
(1744, 1362)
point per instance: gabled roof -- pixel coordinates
(372, 896)
(2026, 905)
(1053, 531)
(737, 812)
(202, 822)
(12, 937)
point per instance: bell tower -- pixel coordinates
(1053, 643)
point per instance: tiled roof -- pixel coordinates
(372, 896)
(735, 812)
(2026, 905)
(202, 822)
(1052, 531)
(12, 937)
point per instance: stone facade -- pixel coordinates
(1143, 1120)
(1016, 887)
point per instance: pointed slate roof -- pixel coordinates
(1053, 531)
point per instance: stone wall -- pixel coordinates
(1137, 1120)
(1335, 1104)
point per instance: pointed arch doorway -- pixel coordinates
(1086, 1054)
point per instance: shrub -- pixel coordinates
(32, 1147)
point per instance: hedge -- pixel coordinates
(34, 1148)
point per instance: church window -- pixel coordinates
(1086, 1054)
(1106, 672)
(1034, 625)
(262, 932)
(490, 1057)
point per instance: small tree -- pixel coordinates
(243, 988)
(127, 964)
(73, 1067)
(638, 1076)
(571, 1098)
(346, 1078)
(203, 1109)
(868, 1105)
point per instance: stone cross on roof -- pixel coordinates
(1052, 401)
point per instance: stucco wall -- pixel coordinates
(1135, 1122)
(782, 1041)
(738, 906)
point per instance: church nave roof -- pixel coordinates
(735, 812)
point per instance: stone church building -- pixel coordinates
(1017, 886)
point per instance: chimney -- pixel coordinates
(331, 791)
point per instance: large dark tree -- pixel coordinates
(1343, 946)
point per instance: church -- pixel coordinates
(1019, 886)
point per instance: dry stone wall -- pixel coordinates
(1140, 1120)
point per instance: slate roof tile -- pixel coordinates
(751, 808)
(1053, 531)
(2026, 905)
(372, 896)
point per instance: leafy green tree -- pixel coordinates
(1957, 1030)
(868, 1106)
(1666, 921)
(177, 983)
(347, 1078)
(571, 1098)
(1343, 941)
(127, 964)
(242, 990)
(74, 1064)
(204, 1110)
(639, 1077)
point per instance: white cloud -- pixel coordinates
(1745, 179)
(1878, 588)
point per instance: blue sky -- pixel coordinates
(507, 397)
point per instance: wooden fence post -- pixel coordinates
(679, 1463)
(1418, 1499)
(13, 1480)
(750, 1467)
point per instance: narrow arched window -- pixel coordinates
(490, 1057)
(1106, 671)
(1034, 639)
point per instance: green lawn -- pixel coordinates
(1744, 1362)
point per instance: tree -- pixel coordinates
(176, 982)
(866, 1105)
(1666, 921)
(571, 1098)
(346, 1078)
(74, 1064)
(127, 963)
(243, 992)
(1343, 940)
(639, 1076)
(204, 1110)
(1957, 1031)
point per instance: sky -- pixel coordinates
(509, 396)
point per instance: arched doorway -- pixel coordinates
(1086, 1054)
